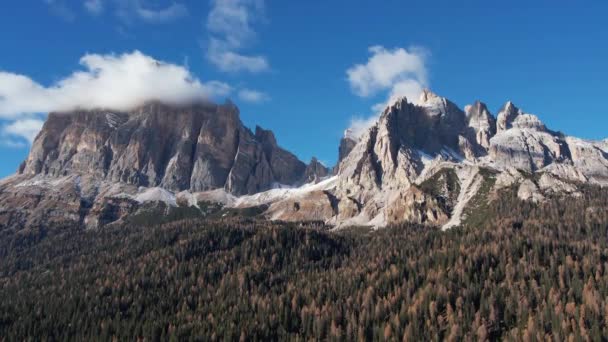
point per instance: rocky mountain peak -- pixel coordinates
(477, 109)
(349, 134)
(481, 123)
(528, 121)
(195, 147)
(428, 96)
(265, 136)
(315, 171)
(506, 115)
(347, 143)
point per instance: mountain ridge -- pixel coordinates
(426, 163)
(381, 180)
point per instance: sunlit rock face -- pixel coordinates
(481, 123)
(378, 180)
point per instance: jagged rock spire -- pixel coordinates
(506, 116)
(481, 123)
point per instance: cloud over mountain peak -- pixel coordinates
(107, 81)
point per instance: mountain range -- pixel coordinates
(427, 162)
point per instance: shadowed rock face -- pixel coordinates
(286, 168)
(315, 171)
(347, 143)
(196, 148)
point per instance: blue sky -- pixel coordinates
(549, 58)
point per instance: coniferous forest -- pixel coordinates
(526, 272)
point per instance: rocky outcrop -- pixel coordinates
(87, 167)
(315, 171)
(415, 205)
(506, 116)
(524, 142)
(347, 143)
(197, 148)
(603, 145)
(481, 124)
(375, 179)
(397, 170)
(286, 167)
(589, 158)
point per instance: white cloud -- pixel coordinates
(11, 143)
(398, 72)
(410, 89)
(109, 81)
(94, 7)
(359, 125)
(253, 96)
(230, 26)
(216, 89)
(25, 129)
(385, 68)
(229, 61)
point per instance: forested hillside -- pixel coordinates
(530, 272)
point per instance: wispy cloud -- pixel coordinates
(160, 15)
(132, 11)
(360, 124)
(61, 9)
(23, 129)
(11, 143)
(398, 72)
(129, 11)
(94, 7)
(253, 96)
(230, 27)
(107, 81)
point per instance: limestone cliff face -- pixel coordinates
(390, 154)
(523, 142)
(315, 171)
(286, 167)
(347, 143)
(427, 163)
(381, 168)
(196, 148)
(506, 116)
(481, 123)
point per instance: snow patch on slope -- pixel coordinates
(274, 195)
(470, 182)
(604, 145)
(217, 196)
(425, 158)
(156, 195)
(46, 182)
(114, 120)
